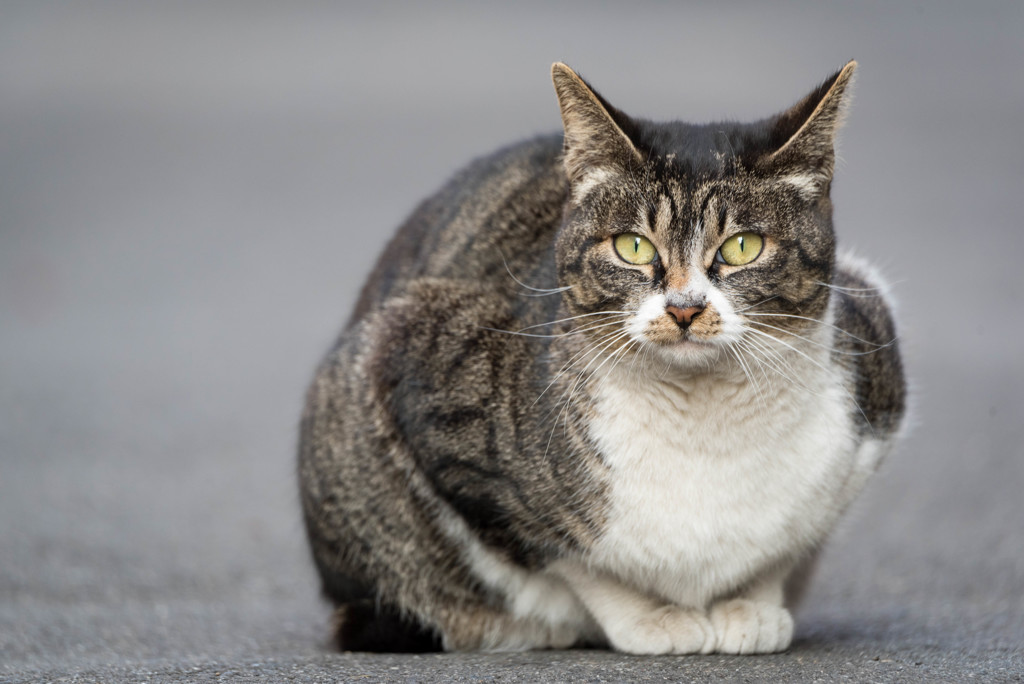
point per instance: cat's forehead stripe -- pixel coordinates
(663, 216)
(711, 192)
(678, 198)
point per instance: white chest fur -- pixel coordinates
(712, 481)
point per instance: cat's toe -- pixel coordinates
(562, 636)
(691, 631)
(746, 627)
(669, 629)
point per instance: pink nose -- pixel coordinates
(684, 316)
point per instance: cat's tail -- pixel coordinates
(366, 626)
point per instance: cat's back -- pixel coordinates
(495, 218)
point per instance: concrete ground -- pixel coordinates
(190, 196)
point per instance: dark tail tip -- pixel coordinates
(365, 626)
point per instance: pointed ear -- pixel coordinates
(595, 143)
(803, 137)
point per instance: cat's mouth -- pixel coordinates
(687, 351)
(690, 340)
(673, 338)
(687, 344)
(683, 346)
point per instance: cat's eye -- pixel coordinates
(740, 249)
(635, 249)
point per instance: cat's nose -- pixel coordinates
(684, 315)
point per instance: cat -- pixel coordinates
(610, 387)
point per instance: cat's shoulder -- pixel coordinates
(440, 337)
(866, 339)
(864, 304)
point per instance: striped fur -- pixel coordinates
(516, 444)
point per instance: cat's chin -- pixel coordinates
(690, 353)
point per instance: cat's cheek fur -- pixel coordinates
(731, 325)
(651, 309)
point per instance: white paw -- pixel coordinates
(562, 636)
(743, 626)
(527, 635)
(669, 629)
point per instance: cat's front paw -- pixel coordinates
(669, 629)
(744, 626)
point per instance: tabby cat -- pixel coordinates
(611, 387)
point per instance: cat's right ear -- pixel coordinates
(596, 143)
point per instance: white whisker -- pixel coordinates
(756, 304)
(825, 346)
(828, 371)
(748, 375)
(574, 331)
(533, 289)
(623, 314)
(856, 291)
(567, 396)
(774, 360)
(545, 294)
(578, 356)
(830, 325)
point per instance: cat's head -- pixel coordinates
(697, 235)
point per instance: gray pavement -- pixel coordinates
(191, 195)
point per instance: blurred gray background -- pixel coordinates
(191, 195)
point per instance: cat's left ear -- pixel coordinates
(803, 137)
(597, 144)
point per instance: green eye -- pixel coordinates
(740, 249)
(635, 249)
